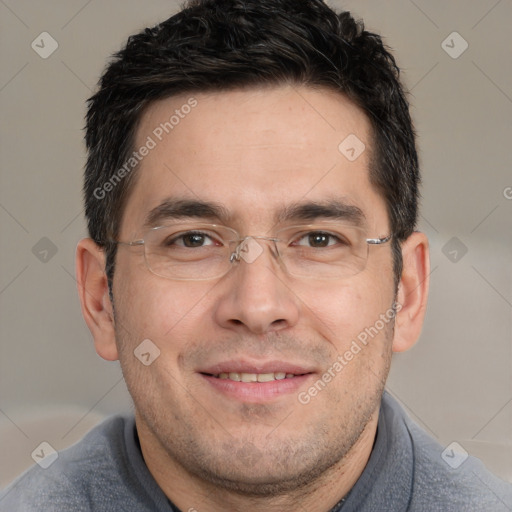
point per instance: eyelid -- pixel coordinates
(228, 234)
(208, 229)
(333, 235)
(182, 231)
(330, 228)
(323, 225)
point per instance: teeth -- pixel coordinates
(266, 377)
(255, 377)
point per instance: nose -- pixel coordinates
(256, 295)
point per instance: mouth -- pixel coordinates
(256, 383)
(254, 377)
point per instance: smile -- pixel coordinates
(257, 385)
(254, 377)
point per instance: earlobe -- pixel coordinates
(94, 297)
(412, 292)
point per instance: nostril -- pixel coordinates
(277, 324)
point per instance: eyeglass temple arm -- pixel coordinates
(378, 241)
(128, 244)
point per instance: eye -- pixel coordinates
(319, 240)
(191, 240)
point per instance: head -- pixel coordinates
(242, 108)
(227, 45)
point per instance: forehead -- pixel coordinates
(254, 152)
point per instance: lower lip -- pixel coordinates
(257, 391)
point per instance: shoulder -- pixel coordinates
(448, 479)
(71, 482)
(455, 478)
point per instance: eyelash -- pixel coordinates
(296, 241)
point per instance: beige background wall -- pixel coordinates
(457, 382)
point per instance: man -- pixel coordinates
(251, 196)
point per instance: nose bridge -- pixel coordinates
(250, 248)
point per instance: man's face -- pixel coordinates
(257, 154)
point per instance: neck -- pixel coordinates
(190, 493)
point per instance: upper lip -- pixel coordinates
(246, 366)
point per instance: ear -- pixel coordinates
(97, 309)
(412, 292)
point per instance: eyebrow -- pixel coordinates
(173, 208)
(333, 209)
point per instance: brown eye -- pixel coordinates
(319, 239)
(193, 240)
(190, 240)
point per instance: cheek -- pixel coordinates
(357, 321)
(149, 307)
(168, 314)
(342, 313)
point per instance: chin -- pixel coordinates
(250, 471)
